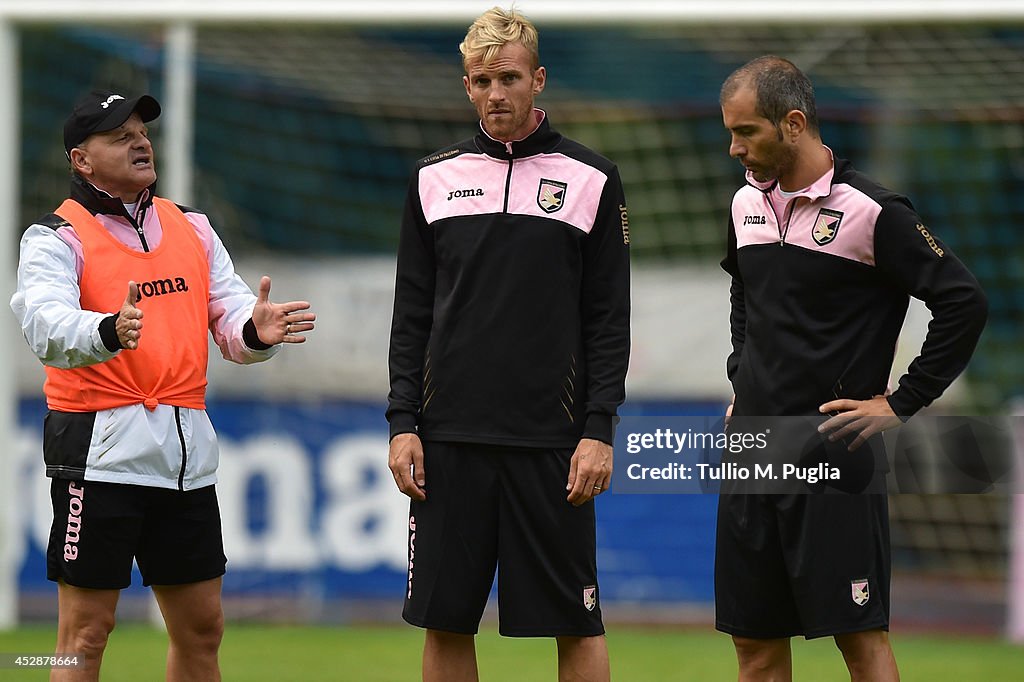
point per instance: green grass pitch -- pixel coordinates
(391, 654)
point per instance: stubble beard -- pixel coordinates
(781, 162)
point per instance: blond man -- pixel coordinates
(508, 358)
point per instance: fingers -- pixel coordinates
(583, 484)
(861, 438)
(129, 338)
(586, 487)
(405, 482)
(129, 327)
(860, 418)
(129, 311)
(862, 429)
(133, 296)
(405, 459)
(295, 317)
(295, 325)
(844, 424)
(844, 405)
(293, 333)
(589, 471)
(837, 421)
(418, 474)
(129, 319)
(264, 293)
(296, 320)
(292, 321)
(847, 417)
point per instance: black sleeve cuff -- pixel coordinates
(401, 422)
(600, 427)
(903, 405)
(251, 338)
(108, 334)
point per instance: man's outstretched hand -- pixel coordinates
(280, 322)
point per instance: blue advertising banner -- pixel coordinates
(310, 510)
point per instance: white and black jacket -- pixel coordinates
(169, 447)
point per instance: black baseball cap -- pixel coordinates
(103, 110)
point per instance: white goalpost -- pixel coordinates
(9, 191)
(551, 11)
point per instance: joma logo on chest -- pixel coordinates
(159, 287)
(460, 193)
(755, 220)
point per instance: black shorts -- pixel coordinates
(98, 528)
(812, 565)
(505, 507)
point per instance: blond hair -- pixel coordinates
(494, 29)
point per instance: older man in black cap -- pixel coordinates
(127, 442)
